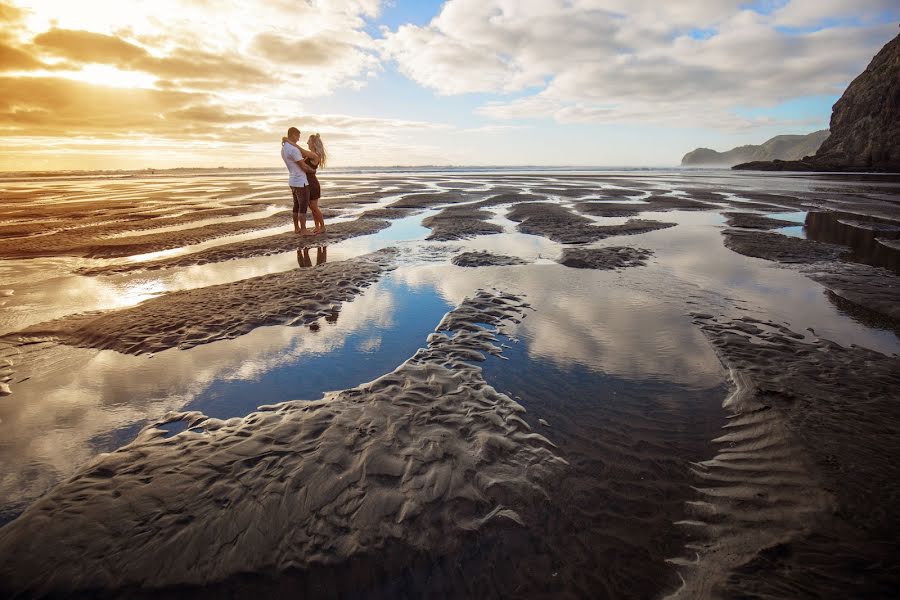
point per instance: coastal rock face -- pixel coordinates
(865, 123)
(781, 147)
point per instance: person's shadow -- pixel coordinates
(304, 260)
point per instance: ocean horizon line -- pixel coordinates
(347, 169)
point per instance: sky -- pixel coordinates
(200, 83)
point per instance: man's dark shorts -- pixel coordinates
(301, 198)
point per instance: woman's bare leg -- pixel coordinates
(317, 216)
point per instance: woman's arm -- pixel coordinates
(308, 154)
(303, 151)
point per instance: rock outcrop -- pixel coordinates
(865, 124)
(781, 147)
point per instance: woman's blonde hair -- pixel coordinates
(316, 145)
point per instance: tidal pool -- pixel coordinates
(609, 365)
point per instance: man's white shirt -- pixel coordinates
(291, 155)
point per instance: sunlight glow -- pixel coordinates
(110, 76)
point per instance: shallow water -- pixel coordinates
(608, 364)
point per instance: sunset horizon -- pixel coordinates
(190, 84)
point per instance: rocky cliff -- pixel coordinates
(865, 124)
(781, 147)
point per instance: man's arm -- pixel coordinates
(303, 151)
(305, 167)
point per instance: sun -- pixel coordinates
(110, 76)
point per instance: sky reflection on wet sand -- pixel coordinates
(628, 329)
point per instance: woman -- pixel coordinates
(315, 190)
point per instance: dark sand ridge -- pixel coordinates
(424, 460)
(780, 248)
(6, 370)
(570, 191)
(427, 199)
(507, 197)
(863, 234)
(891, 244)
(863, 206)
(653, 203)
(871, 226)
(84, 199)
(610, 257)
(618, 192)
(88, 246)
(67, 232)
(485, 259)
(754, 221)
(189, 318)
(874, 290)
(850, 201)
(562, 225)
(390, 213)
(457, 222)
(460, 185)
(264, 246)
(801, 498)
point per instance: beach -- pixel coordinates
(632, 383)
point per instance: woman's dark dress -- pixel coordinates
(315, 190)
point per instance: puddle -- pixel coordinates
(46, 289)
(860, 234)
(76, 402)
(608, 364)
(797, 231)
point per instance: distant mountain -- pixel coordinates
(865, 124)
(781, 147)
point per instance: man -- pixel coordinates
(293, 159)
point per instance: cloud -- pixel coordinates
(181, 64)
(688, 64)
(14, 59)
(321, 50)
(801, 13)
(192, 44)
(57, 106)
(89, 47)
(10, 14)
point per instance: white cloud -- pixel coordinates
(635, 61)
(800, 13)
(312, 47)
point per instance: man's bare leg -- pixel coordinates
(300, 224)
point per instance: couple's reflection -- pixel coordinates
(304, 260)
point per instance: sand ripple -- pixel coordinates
(264, 246)
(188, 318)
(806, 468)
(417, 458)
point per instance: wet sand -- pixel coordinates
(639, 393)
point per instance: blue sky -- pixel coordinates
(396, 93)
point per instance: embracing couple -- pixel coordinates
(302, 165)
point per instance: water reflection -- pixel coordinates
(304, 260)
(633, 323)
(629, 386)
(860, 234)
(601, 322)
(71, 403)
(45, 289)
